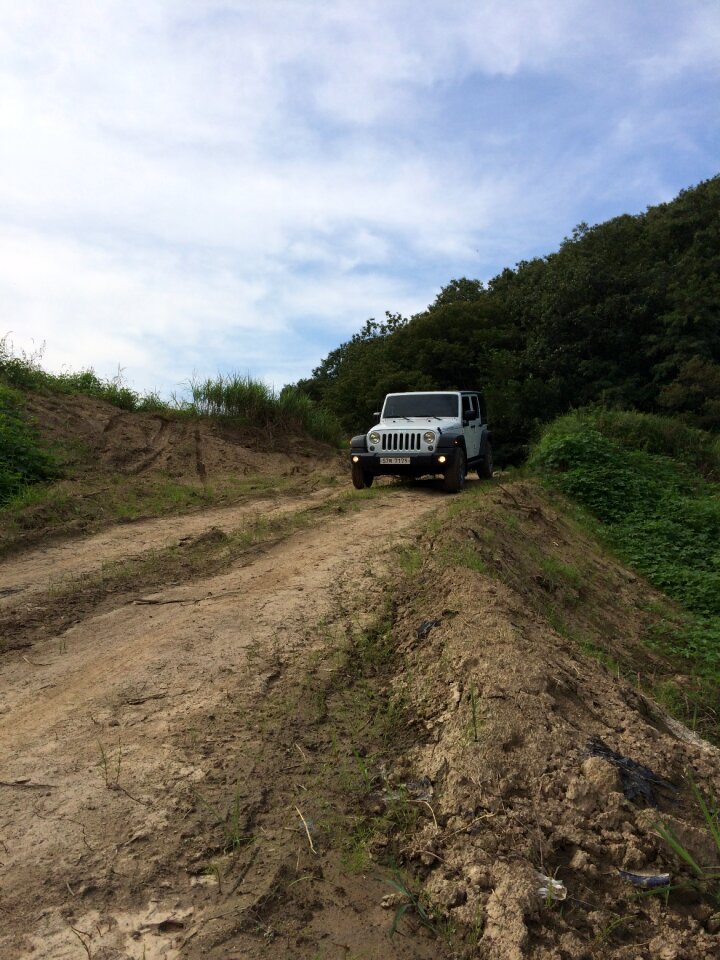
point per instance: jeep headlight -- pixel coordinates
(374, 437)
(429, 436)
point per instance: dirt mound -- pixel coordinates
(105, 439)
(519, 726)
(121, 466)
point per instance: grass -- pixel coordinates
(236, 397)
(464, 555)
(254, 403)
(414, 901)
(705, 877)
(24, 371)
(410, 560)
(651, 482)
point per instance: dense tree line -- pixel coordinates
(625, 314)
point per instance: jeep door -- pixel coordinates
(472, 425)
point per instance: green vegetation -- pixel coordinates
(661, 515)
(256, 404)
(624, 314)
(233, 397)
(25, 373)
(23, 458)
(706, 878)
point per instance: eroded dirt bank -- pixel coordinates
(405, 689)
(526, 688)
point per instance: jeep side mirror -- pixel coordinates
(377, 414)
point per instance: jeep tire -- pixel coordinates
(361, 478)
(454, 477)
(486, 466)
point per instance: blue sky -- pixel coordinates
(192, 186)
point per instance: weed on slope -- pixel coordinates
(661, 515)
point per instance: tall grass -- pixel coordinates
(252, 402)
(234, 397)
(24, 372)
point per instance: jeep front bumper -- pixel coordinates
(397, 464)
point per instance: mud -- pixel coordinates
(208, 772)
(125, 740)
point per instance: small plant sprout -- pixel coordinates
(706, 877)
(111, 771)
(412, 902)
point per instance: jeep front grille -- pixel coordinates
(402, 440)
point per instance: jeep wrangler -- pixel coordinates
(429, 433)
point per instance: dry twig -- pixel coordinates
(307, 829)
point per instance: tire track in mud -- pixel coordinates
(96, 738)
(44, 568)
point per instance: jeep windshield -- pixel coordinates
(421, 405)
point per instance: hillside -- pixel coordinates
(624, 314)
(313, 722)
(111, 464)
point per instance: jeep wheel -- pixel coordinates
(454, 478)
(485, 469)
(361, 478)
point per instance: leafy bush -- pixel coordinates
(23, 459)
(632, 472)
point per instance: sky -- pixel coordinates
(193, 187)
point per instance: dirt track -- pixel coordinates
(206, 771)
(44, 567)
(108, 729)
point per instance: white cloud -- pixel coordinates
(186, 181)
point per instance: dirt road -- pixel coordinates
(114, 734)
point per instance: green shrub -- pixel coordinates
(23, 459)
(640, 476)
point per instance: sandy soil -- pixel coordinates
(171, 774)
(44, 567)
(109, 732)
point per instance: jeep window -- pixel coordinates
(470, 407)
(421, 405)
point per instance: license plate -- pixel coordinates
(394, 459)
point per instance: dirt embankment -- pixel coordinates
(515, 688)
(237, 764)
(101, 439)
(120, 466)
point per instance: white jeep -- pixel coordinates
(425, 433)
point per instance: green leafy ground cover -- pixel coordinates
(23, 458)
(652, 483)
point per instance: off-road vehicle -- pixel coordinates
(419, 434)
